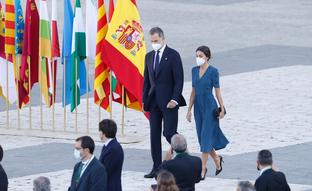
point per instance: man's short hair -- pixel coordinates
(108, 127)
(265, 157)
(245, 186)
(87, 143)
(42, 184)
(1, 153)
(178, 143)
(157, 30)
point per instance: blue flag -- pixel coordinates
(19, 27)
(66, 54)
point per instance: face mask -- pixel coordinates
(200, 61)
(156, 46)
(77, 154)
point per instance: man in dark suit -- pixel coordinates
(269, 179)
(89, 174)
(162, 93)
(112, 155)
(3, 176)
(185, 168)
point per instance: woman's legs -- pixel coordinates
(204, 163)
(215, 158)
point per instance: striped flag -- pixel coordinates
(124, 50)
(111, 9)
(101, 81)
(30, 53)
(7, 77)
(9, 27)
(78, 54)
(45, 54)
(55, 45)
(66, 56)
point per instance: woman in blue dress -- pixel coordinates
(204, 78)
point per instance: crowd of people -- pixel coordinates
(179, 171)
(162, 97)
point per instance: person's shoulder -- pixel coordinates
(149, 53)
(195, 68)
(280, 174)
(172, 51)
(195, 158)
(213, 68)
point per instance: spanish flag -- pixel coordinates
(124, 50)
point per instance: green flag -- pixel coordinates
(78, 54)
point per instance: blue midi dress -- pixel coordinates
(209, 134)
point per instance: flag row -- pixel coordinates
(30, 52)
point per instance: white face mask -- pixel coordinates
(200, 61)
(156, 46)
(77, 154)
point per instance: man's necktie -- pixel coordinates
(156, 62)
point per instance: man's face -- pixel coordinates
(102, 136)
(80, 149)
(156, 39)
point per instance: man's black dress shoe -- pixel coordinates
(152, 174)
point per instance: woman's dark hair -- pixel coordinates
(166, 182)
(205, 50)
(108, 127)
(87, 143)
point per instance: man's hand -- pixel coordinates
(171, 104)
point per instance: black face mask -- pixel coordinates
(258, 168)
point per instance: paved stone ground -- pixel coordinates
(244, 35)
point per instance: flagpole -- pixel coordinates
(99, 113)
(87, 81)
(29, 91)
(40, 77)
(123, 111)
(111, 95)
(7, 84)
(64, 98)
(17, 102)
(53, 95)
(76, 106)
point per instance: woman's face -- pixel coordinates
(200, 54)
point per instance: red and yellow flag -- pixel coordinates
(101, 81)
(9, 46)
(124, 50)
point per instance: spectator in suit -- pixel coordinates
(185, 168)
(3, 176)
(42, 184)
(165, 182)
(269, 179)
(245, 186)
(162, 93)
(89, 174)
(112, 155)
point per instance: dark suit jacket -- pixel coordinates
(94, 178)
(3, 180)
(271, 180)
(112, 157)
(186, 170)
(168, 82)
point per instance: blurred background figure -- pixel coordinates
(42, 184)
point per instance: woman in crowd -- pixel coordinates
(207, 114)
